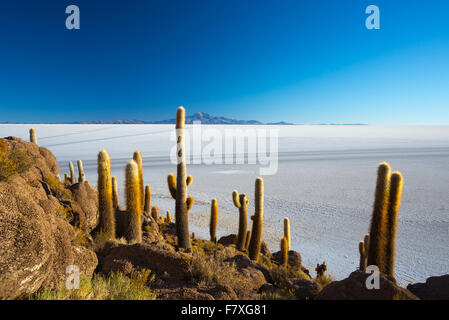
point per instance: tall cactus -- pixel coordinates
(287, 232)
(378, 221)
(178, 185)
(213, 220)
(72, 173)
(362, 264)
(241, 202)
(81, 175)
(138, 159)
(133, 228)
(107, 223)
(115, 200)
(284, 252)
(33, 136)
(256, 233)
(147, 206)
(392, 221)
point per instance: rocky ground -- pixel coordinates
(46, 226)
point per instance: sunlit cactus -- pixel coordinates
(66, 178)
(72, 173)
(147, 206)
(362, 264)
(81, 175)
(133, 230)
(287, 232)
(107, 223)
(178, 185)
(161, 219)
(396, 182)
(155, 213)
(168, 218)
(115, 200)
(376, 252)
(284, 252)
(241, 202)
(247, 239)
(213, 220)
(33, 136)
(138, 159)
(256, 233)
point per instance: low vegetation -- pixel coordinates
(13, 162)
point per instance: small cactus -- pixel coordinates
(193, 235)
(287, 232)
(72, 173)
(138, 159)
(81, 175)
(362, 264)
(155, 213)
(376, 252)
(107, 223)
(321, 269)
(133, 230)
(147, 206)
(241, 202)
(33, 136)
(66, 178)
(284, 252)
(392, 221)
(256, 233)
(115, 200)
(168, 218)
(161, 219)
(213, 220)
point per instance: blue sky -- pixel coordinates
(297, 61)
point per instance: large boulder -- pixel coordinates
(157, 257)
(303, 289)
(228, 240)
(294, 259)
(435, 288)
(37, 243)
(85, 206)
(354, 288)
(255, 272)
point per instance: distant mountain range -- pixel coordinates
(202, 117)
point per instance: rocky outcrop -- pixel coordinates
(255, 271)
(228, 240)
(158, 258)
(354, 288)
(294, 259)
(199, 292)
(37, 243)
(85, 206)
(435, 288)
(302, 289)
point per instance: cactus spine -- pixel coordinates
(147, 206)
(284, 252)
(213, 220)
(287, 232)
(256, 233)
(178, 186)
(133, 230)
(362, 264)
(81, 175)
(241, 202)
(378, 221)
(107, 223)
(72, 173)
(115, 204)
(138, 159)
(392, 221)
(33, 136)
(155, 213)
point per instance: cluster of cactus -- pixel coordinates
(178, 185)
(381, 250)
(70, 180)
(241, 202)
(321, 269)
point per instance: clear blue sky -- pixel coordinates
(299, 61)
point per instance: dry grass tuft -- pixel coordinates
(13, 162)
